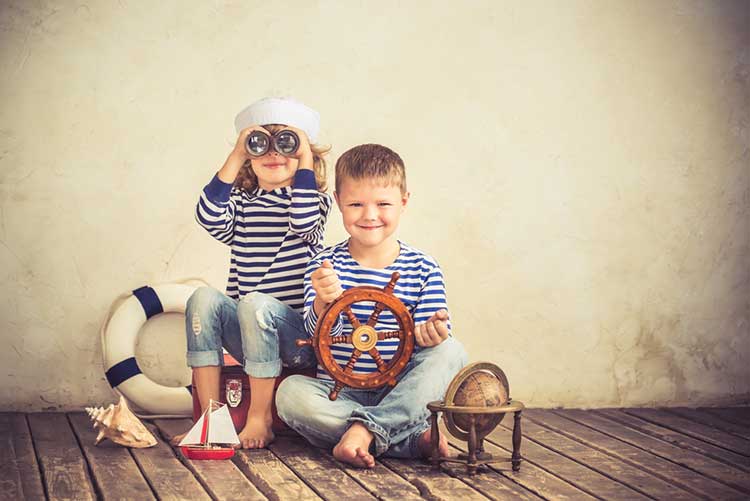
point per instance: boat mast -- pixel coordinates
(208, 421)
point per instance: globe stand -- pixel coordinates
(475, 402)
(476, 455)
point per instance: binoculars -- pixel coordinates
(284, 142)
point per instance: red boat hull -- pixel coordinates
(203, 453)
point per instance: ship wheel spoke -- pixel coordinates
(353, 360)
(352, 318)
(335, 391)
(375, 314)
(375, 354)
(343, 339)
(388, 335)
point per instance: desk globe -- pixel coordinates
(475, 403)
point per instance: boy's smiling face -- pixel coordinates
(371, 210)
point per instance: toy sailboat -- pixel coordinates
(212, 436)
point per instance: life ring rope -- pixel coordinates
(124, 375)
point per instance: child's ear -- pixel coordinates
(405, 199)
(336, 196)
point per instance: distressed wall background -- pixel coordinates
(580, 169)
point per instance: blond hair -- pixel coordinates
(248, 181)
(371, 161)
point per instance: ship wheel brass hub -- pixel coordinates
(364, 338)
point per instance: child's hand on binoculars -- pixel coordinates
(303, 152)
(239, 148)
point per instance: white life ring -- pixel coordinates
(119, 335)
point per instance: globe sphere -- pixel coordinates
(481, 388)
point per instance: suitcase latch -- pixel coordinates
(233, 391)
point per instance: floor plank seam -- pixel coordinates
(495, 471)
(183, 460)
(547, 471)
(503, 472)
(297, 473)
(627, 460)
(424, 491)
(585, 465)
(39, 464)
(710, 424)
(362, 484)
(143, 473)
(737, 421)
(686, 433)
(422, 487)
(454, 474)
(630, 462)
(466, 481)
(676, 442)
(260, 483)
(89, 471)
(509, 475)
(524, 460)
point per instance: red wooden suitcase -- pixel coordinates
(234, 390)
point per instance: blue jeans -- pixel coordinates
(258, 330)
(396, 416)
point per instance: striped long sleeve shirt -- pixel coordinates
(421, 288)
(272, 234)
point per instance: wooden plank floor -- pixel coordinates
(568, 454)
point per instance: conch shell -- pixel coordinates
(120, 425)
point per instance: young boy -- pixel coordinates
(362, 424)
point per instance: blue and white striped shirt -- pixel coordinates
(272, 234)
(421, 288)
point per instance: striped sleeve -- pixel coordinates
(310, 208)
(215, 210)
(310, 317)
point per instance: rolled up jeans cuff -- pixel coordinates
(413, 441)
(208, 358)
(381, 441)
(263, 369)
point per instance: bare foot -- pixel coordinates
(354, 447)
(177, 439)
(425, 445)
(256, 434)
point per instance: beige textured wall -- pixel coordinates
(579, 168)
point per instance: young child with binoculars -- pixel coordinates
(267, 203)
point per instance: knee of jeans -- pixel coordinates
(202, 300)
(450, 354)
(256, 307)
(289, 398)
(199, 313)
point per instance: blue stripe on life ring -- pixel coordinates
(149, 300)
(122, 371)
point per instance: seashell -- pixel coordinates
(120, 425)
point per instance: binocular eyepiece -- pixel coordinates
(284, 142)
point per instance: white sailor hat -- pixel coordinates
(280, 110)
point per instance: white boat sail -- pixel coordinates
(218, 428)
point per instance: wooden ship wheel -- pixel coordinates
(363, 338)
